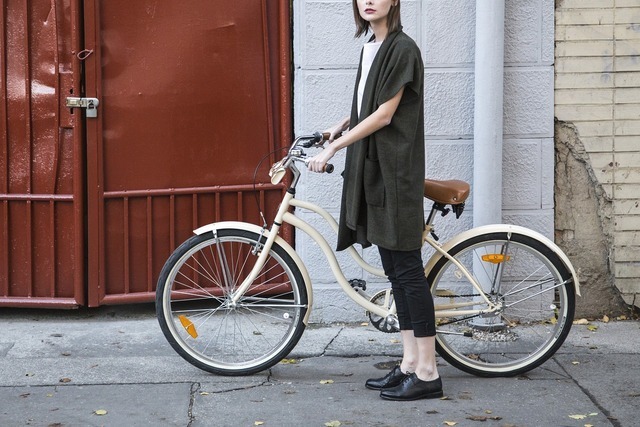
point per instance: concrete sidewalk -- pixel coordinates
(65, 368)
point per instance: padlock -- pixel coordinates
(92, 108)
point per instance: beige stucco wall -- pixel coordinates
(597, 105)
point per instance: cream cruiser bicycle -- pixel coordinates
(235, 298)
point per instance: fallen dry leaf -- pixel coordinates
(288, 361)
(592, 328)
(577, 417)
(334, 423)
(581, 322)
(450, 423)
(575, 362)
(65, 380)
(258, 423)
(605, 319)
(326, 381)
(100, 412)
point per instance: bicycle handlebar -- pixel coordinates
(296, 154)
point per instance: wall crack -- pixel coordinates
(584, 225)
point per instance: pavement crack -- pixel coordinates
(593, 399)
(243, 388)
(195, 387)
(326, 347)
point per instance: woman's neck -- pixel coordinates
(380, 30)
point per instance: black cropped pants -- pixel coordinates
(411, 293)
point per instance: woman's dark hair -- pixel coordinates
(363, 27)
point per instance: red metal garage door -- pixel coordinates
(191, 95)
(190, 99)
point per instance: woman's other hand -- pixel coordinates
(336, 130)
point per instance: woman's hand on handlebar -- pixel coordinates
(318, 162)
(336, 130)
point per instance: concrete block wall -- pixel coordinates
(598, 92)
(326, 59)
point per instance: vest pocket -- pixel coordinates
(373, 183)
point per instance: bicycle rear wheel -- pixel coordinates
(536, 298)
(198, 318)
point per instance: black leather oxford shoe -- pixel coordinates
(392, 379)
(413, 388)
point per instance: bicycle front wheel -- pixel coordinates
(202, 323)
(535, 298)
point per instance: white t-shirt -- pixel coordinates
(368, 55)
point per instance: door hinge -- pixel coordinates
(90, 104)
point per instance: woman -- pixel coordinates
(382, 198)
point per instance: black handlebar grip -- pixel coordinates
(328, 168)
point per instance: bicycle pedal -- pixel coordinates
(358, 283)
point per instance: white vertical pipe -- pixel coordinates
(487, 129)
(488, 112)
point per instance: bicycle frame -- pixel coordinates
(284, 215)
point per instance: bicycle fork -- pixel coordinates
(263, 249)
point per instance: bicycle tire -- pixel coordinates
(535, 289)
(197, 317)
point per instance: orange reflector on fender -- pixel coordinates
(188, 326)
(495, 258)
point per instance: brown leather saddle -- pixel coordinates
(451, 192)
